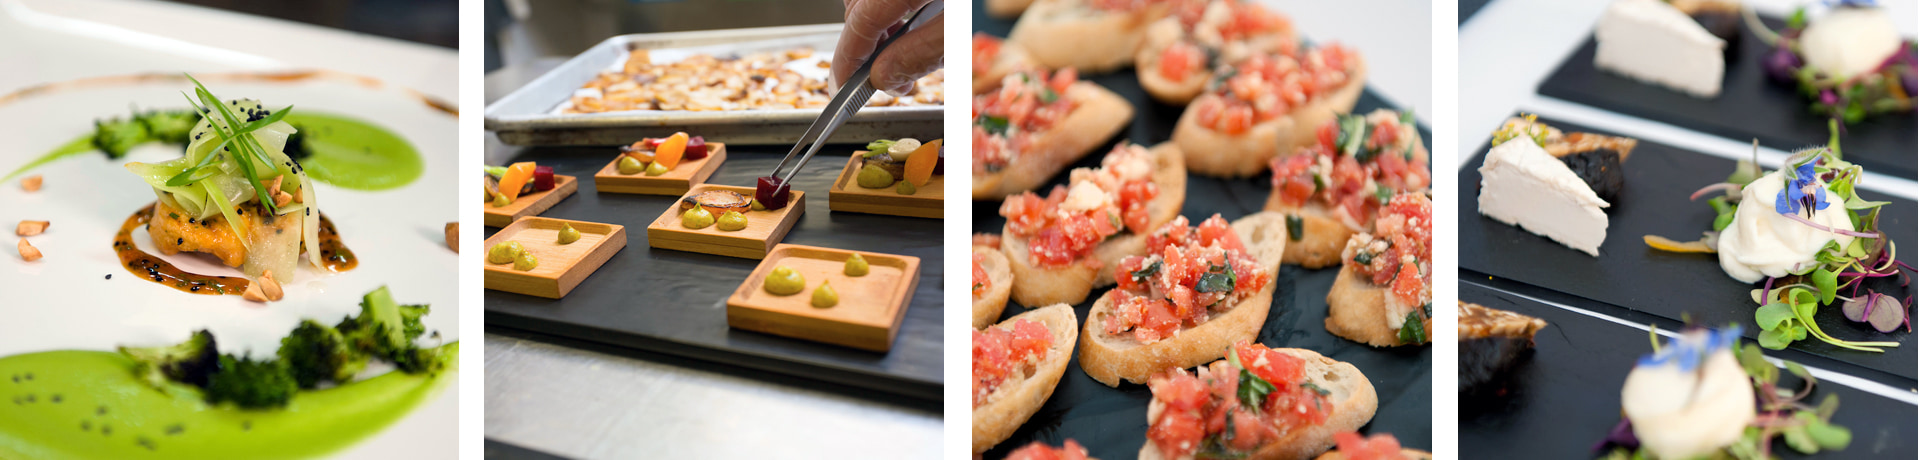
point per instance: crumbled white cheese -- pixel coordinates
(1084, 196)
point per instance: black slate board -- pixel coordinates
(674, 302)
(1631, 275)
(1566, 396)
(1749, 107)
(1112, 423)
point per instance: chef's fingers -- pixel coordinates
(914, 55)
(868, 22)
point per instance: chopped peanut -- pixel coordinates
(281, 198)
(28, 252)
(264, 289)
(31, 183)
(453, 236)
(30, 227)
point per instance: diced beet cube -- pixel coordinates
(696, 148)
(542, 178)
(772, 193)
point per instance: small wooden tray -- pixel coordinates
(847, 195)
(532, 204)
(562, 266)
(870, 307)
(675, 182)
(764, 228)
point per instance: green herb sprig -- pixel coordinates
(233, 135)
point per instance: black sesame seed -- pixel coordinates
(176, 429)
(56, 399)
(101, 411)
(109, 276)
(86, 425)
(179, 241)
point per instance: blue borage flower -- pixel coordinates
(1689, 349)
(1853, 3)
(1802, 191)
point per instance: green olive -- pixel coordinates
(824, 296)
(500, 200)
(696, 218)
(733, 221)
(630, 165)
(500, 253)
(905, 188)
(656, 169)
(856, 265)
(873, 176)
(755, 205)
(784, 281)
(567, 234)
(524, 261)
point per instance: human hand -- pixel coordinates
(914, 55)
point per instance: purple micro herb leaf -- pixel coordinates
(1887, 314)
(1856, 308)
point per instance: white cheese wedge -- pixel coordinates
(1651, 41)
(1520, 184)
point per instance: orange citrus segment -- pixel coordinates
(920, 163)
(670, 150)
(516, 178)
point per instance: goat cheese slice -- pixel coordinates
(1521, 184)
(1651, 41)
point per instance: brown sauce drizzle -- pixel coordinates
(334, 253)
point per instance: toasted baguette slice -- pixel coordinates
(1323, 234)
(988, 305)
(1351, 395)
(1357, 311)
(1068, 33)
(1020, 395)
(1007, 8)
(1070, 284)
(1214, 153)
(1110, 358)
(1009, 60)
(1098, 116)
(1409, 454)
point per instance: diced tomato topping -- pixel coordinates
(1379, 447)
(1269, 85)
(998, 352)
(1180, 61)
(981, 281)
(1205, 405)
(1406, 224)
(986, 48)
(1170, 298)
(1328, 135)
(1028, 102)
(1249, 431)
(1057, 236)
(1041, 451)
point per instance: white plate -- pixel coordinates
(64, 301)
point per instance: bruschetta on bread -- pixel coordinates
(1092, 36)
(1062, 246)
(992, 281)
(1180, 52)
(993, 60)
(1351, 446)
(1015, 366)
(1384, 294)
(1270, 104)
(1034, 125)
(1301, 400)
(1196, 291)
(1333, 188)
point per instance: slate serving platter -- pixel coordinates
(1566, 396)
(674, 302)
(1628, 274)
(1749, 107)
(1112, 423)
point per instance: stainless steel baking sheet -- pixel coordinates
(531, 115)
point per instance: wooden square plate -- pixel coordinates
(847, 195)
(562, 266)
(764, 228)
(675, 182)
(532, 204)
(870, 307)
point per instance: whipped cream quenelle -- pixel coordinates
(1762, 243)
(1691, 398)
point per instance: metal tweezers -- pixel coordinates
(848, 100)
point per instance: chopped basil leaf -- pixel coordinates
(992, 124)
(1406, 117)
(1363, 257)
(1315, 388)
(1294, 227)
(1253, 389)
(1048, 96)
(1218, 278)
(1319, 183)
(1354, 142)
(1142, 274)
(1383, 194)
(1412, 331)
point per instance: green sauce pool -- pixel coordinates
(353, 154)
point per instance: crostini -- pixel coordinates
(1351, 446)
(1384, 294)
(1196, 291)
(1072, 450)
(1092, 36)
(993, 59)
(1015, 367)
(1034, 125)
(992, 282)
(1007, 8)
(1300, 399)
(1062, 246)
(1335, 187)
(1178, 56)
(1270, 103)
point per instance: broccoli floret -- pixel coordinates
(189, 362)
(316, 352)
(173, 126)
(251, 384)
(116, 136)
(410, 318)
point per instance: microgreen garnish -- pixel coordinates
(1528, 126)
(992, 124)
(1887, 88)
(1295, 227)
(233, 135)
